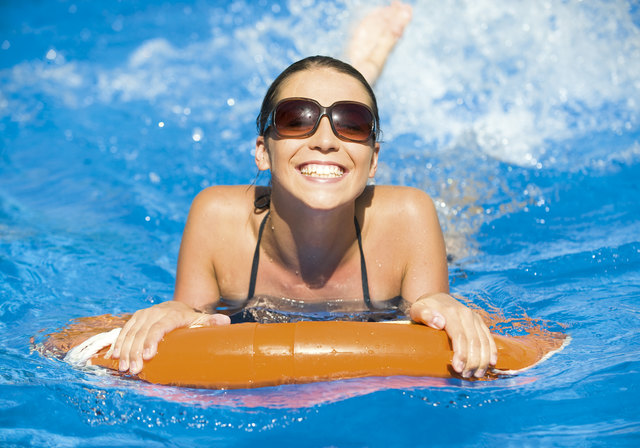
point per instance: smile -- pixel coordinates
(322, 171)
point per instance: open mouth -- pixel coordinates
(322, 171)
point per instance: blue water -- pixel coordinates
(521, 119)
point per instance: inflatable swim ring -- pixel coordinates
(249, 355)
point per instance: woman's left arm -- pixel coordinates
(426, 285)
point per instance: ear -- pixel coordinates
(263, 161)
(374, 160)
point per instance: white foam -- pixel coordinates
(513, 77)
(516, 75)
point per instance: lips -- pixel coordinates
(322, 171)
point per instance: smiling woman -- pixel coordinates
(319, 232)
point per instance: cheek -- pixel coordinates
(366, 158)
(277, 160)
(281, 152)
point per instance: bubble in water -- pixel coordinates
(197, 134)
(154, 178)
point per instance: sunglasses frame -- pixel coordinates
(324, 111)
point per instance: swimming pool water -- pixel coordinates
(522, 120)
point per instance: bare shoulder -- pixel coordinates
(227, 209)
(223, 196)
(393, 202)
(225, 202)
(402, 233)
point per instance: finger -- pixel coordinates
(480, 345)
(145, 342)
(493, 350)
(125, 348)
(488, 349)
(209, 320)
(125, 334)
(473, 343)
(220, 319)
(457, 335)
(427, 312)
(154, 335)
(489, 354)
(117, 345)
(136, 348)
(160, 328)
(129, 346)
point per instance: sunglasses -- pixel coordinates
(300, 117)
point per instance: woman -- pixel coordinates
(318, 232)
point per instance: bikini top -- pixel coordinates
(363, 266)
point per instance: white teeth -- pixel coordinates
(322, 171)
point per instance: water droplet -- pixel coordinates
(197, 134)
(117, 25)
(154, 178)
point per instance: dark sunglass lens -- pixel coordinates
(295, 118)
(353, 121)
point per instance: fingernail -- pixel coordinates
(123, 366)
(466, 374)
(458, 366)
(480, 373)
(146, 354)
(494, 360)
(134, 367)
(438, 322)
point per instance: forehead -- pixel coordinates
(325, 85)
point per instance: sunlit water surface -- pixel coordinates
(521, 119)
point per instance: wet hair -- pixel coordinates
(309, 63)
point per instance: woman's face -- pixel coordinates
(321, 170)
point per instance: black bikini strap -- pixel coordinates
(256, 260)
(363, 265)
(363, 268)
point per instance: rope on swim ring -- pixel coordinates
(80, 355)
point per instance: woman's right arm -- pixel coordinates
(196, 289)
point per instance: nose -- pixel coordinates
(324, 138)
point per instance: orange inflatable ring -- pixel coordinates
(254, 355)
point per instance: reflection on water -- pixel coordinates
(267, 309)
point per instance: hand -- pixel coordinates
(473, 346)
(139, 337)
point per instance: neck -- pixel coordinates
(310, 242)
